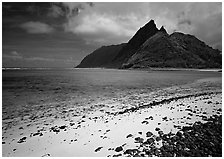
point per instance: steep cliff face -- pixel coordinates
(136, 41)
(101, 57)
(152, 47)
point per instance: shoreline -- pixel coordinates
(100, 132)
(135, 69)
(178, 69)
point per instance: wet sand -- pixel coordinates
(112, 127)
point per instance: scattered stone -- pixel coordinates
(149, 134)
(117, 155)
(55, 129)
(199, 140)
(177, 126)
(149, 118)
(149, 141)
(118, 149)
(209, 102)
(98, 149)
(160, 133)
(131, 151)
(124, 144)
(130, 135)
(187, 128)
(71, 124)
(188, 110)
(46, 155)
(62, 127)
(38, 133)
(139, 140)
(157, 129)
(145, 122)
(158, 138)
(22, 140)
(219, 110)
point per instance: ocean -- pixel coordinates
(31, 88)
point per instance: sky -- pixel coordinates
(61, 34)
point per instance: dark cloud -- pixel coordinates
(33, 38)
(55, 11)
(25, 8)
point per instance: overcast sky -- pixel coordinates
(62, 34)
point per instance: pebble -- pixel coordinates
(145, 122)
(98, 149)
(149, 134)
(118, 149)
(22, 140)
(130, 135)
(62, 127)
(139, 139)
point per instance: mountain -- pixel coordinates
(177, 50)
(102, 57)
(153, 47)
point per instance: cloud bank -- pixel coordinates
(36, 27)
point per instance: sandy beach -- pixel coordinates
(125, 126)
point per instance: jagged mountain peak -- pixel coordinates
(143, 34)
(162, 29)
(136, 41)
(150, 24)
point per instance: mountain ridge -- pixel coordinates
(153, 47)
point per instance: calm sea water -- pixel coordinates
(32, 88)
